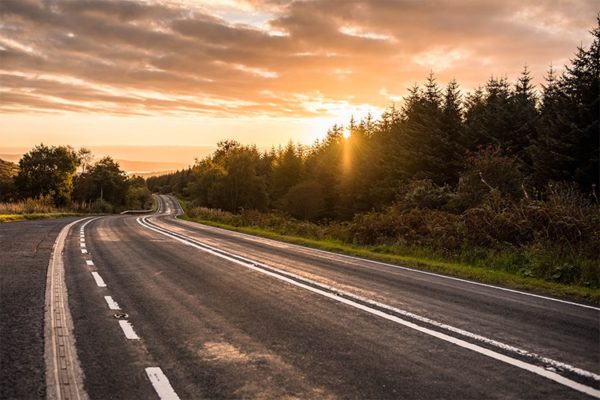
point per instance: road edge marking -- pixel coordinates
(64, 376)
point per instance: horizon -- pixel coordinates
(259, 72)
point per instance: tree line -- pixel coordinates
(67, 178)
(503, 136)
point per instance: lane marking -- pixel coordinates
(64, 377)
(82, 239)
(161, 384)
(83, 251)
(81, 244)
(128, 330)
(327, 292)
(113, 305)
(98, 279)
(89, 262)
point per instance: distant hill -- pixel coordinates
(14, 158)
(139, 167)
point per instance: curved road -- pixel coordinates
(165, 308)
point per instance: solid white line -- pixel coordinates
(490, 353)
(128, 330)
(83, 251)
(113, 305)
(89, 262)
(364, 260)
(98, 279)
(161, 384)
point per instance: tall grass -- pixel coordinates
(42, 205)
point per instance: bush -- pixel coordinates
(423, 194)
(101, 206)
(304, 200)
(487, 170)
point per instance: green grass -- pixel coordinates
(23, 217)
(456, 269)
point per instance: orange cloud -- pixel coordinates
(139, 58)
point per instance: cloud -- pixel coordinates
(282, 59)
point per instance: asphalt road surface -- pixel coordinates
(25, 248)
(165, 308)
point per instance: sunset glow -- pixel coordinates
(259, 71)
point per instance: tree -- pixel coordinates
(427, 149)
(324, 165)
(287, 171)
(8, 171)
(229, 179)
(523, 104)
(104, 181)
(48, 171)
(567, 144)
(488, 116)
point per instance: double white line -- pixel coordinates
(395, 314)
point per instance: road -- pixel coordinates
(165, 308)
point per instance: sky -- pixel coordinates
(191, 72)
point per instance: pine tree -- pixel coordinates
(453, 128)
(524, 118)
(567, 144)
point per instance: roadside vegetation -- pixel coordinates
(57, 181)
(500, 184)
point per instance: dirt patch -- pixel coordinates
(262, 375)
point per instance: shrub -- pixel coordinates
(101, 206)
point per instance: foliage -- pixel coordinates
(104, 181)
(304, 200)
(47, 181)
(8, 171)
(47, 171)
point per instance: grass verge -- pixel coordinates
(23, 217)
(455, 269)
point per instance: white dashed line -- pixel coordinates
(82, 244)
(98, 279)
(161, 384)
(81, 239)
(89, 262)
(113, 305)
(83, 251)
(128, 330)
